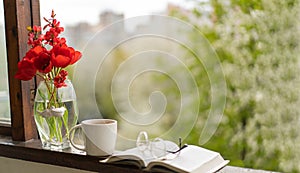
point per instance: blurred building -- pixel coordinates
(81, 33)
(109, 17)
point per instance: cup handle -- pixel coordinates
(71, 136)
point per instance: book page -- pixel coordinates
(143, 158)
(193, 158)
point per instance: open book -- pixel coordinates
(191, 159)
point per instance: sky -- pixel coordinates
(74, 11)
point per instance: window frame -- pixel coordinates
(19, 14)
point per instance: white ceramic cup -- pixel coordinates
(100, 136)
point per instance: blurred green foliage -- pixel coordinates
(257, 42)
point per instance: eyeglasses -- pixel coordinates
(158, 148)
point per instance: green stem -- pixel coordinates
(57, 130)
(52, 92)
(51, 89)
(65, 119)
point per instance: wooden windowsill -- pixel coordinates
(32, 151)
(5, 129)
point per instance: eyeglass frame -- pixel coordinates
(147, 144)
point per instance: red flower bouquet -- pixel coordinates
(55, 97)
(47, 63)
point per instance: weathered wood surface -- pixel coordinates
(18, 16)
(32, 151)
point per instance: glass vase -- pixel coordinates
(55, 113)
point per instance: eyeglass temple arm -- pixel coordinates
(180, 147)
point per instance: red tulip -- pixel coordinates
(76, 55)
(40, 58)
(61, 56)
(26, 70)
(48, 53)
(43, 63)
(34, 52)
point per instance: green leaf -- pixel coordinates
(51, 125)
(58, 123)
(42, 95)
(65, 119)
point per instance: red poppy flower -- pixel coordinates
(26, 70)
